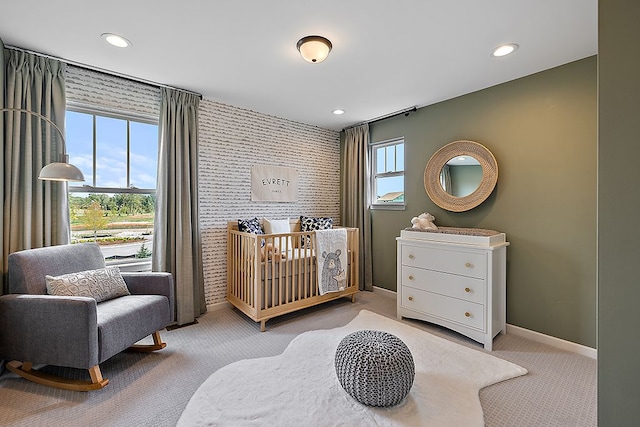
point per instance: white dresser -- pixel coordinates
(457, 281)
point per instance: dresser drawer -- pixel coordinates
(470, 264)
(461, 287)
(463, 312)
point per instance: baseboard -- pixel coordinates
(553, 341)
(218, 306)
(378, 290)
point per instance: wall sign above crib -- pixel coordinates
(273, 184)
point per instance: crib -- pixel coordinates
(263, 285)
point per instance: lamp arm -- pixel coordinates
(56, 171)
(40, 116)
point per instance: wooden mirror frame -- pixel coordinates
(442, 156)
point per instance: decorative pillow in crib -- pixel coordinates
(250, 226)
(308, 223)
(279, 226)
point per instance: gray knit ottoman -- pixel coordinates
(376, 368)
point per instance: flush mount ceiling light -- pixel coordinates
(338, 111)
(314, 49)
(116, 40)
(504, 49)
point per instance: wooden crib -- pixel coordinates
(263, 285)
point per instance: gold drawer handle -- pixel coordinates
(467, 290)
(468, 265)
(411, 256)
(467, 314)
(410, 277)
(410, 298)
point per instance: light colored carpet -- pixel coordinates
(300, 386)
(153, 389)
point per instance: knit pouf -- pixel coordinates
(376, 368)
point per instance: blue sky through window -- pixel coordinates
(111, 147)
(389, 185)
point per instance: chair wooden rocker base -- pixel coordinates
(26, 371)
(146, 348)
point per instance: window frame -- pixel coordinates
(124, 264)
(373, 146)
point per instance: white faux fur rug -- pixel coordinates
(300, 387)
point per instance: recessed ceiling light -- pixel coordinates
(504, 49)
(338, 111)
(116, 40)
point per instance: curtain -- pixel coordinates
(34, 213)
(355, 193)
(176, 244)
(445, 179)
(2, 85)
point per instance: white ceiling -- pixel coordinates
(387, 55)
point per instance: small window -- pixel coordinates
(387, 184)
(115, 207)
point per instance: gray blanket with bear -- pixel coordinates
(331, 256)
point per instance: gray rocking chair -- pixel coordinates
(74, 331)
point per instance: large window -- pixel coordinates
(115, 206)
(388, 174)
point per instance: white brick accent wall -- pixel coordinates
(231, 141)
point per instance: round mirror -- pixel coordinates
(460, 175)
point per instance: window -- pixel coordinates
(115, 207)
(387, 184)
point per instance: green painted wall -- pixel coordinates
(542, 131)
(618, 211)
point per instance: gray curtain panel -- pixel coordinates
(35, 213)
(355, 202)
(2, 86)
(176, 244)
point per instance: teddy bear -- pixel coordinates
(271, 252)
(424, 221)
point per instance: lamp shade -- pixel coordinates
(56, 171)
(314, 49)
(61, 171)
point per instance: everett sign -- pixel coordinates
(273, 184)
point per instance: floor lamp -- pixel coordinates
(61, 170)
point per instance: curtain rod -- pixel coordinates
(102, 70)
(406, 112)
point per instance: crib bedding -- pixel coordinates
(284, 281)
(287, 267)
(263, 285)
